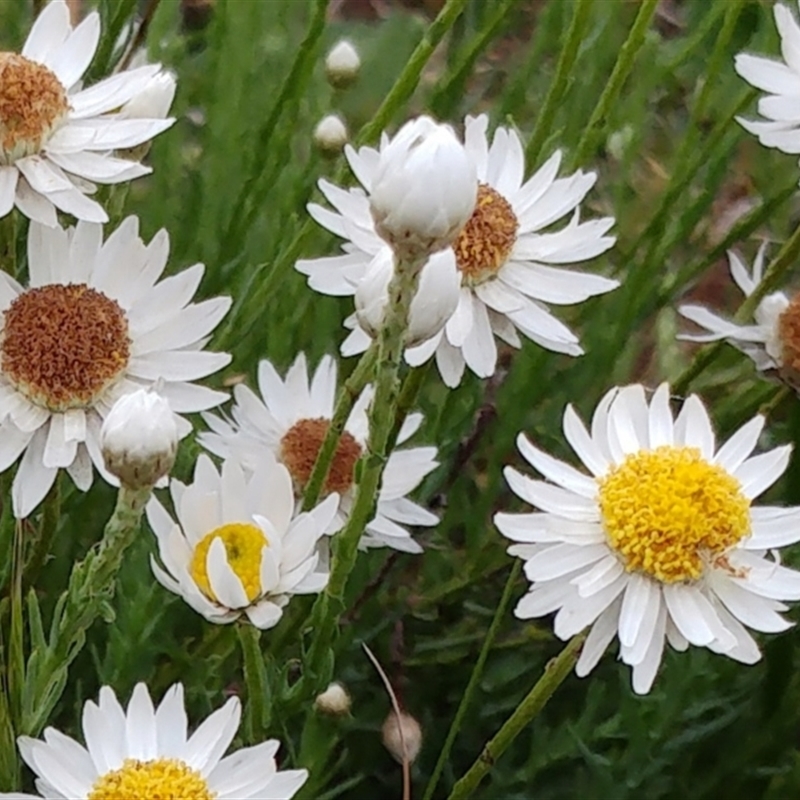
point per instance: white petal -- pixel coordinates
(758, 473)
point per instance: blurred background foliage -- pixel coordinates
(684, 181)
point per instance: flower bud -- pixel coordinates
(330, 135)
(424, 189)
(335, 700)
(139, 439)
(342, 64)
(154, 101)
(433, 304)
(411, 736)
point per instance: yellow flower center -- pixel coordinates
(666, 511)
(486, 241)
(300, 446)
(243, 544)
(160, 779)
(33, 103)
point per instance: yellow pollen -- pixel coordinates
(33, 103)
(486, 241)
(666, 511)
(63, 346)
(300, 446)
(243, 544)
(160, 779)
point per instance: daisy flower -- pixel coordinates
(56, 137)
(660, 541)
(94, 325)
(781, 80)
(773, 342)
(507, 255)
(236, 548)
(291, 418)
(144, 752)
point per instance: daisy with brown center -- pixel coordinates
(143, 752)
(660, 541)
(773, 342)
(237, 547)
(92, 326)
(291, 418)
(56, 137)
(508, 258)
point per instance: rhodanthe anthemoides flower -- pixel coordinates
(144, 752)
(237, 547)
(660, 541)
(57, 138)
(508, 258)
(94, 324)
(773, 341)
(781, 80)
(291, 418)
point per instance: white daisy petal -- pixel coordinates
(758, 473)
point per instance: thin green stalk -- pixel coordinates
(554, 674)
(8, 243)
(558, 87)
(622, 68)
(408, 79)
(348, 395)
(255, 675)
(474, 678)
(413, 382)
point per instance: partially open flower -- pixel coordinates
(342, 64)
(335, 700)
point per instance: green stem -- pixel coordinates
(51, 516)
(255, 676)
(408, 397)
(474, 678)
(8, 243)
(554, 674)
(619, 75)
(348, 395)
(566, 61)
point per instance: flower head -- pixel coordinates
(57, 138)
(237, 547)
(781, 80)
(330, 135)
(291, 418)
(660, 541)
(342, 64)
(773, 342)
(139, 439)
(144, 752)
(94, 325)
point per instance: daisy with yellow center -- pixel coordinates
(773, 341)
(143, 752)
(508, 256)
(93, 325)
(57, 138)
(236, 547)
(660, 542)
(290, 420)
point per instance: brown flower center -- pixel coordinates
(486, 241)
(789, 332)
(33, 102)
(62, 346)
(300, 446)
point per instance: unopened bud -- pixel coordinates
(330, 135)
(335, 700)
(393, 739)
(342, 65)
(139, 439)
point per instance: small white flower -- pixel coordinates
(433, 304)
(342, 64)
(291, 418)
(57, 138)
(330, 135)
(145, 752)
(139, 439)
(509, 268)
(423, 189)
(94, 325)
(660, 541)
(335, 700)
(773, 342)
(237, 548)
(782, 83)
